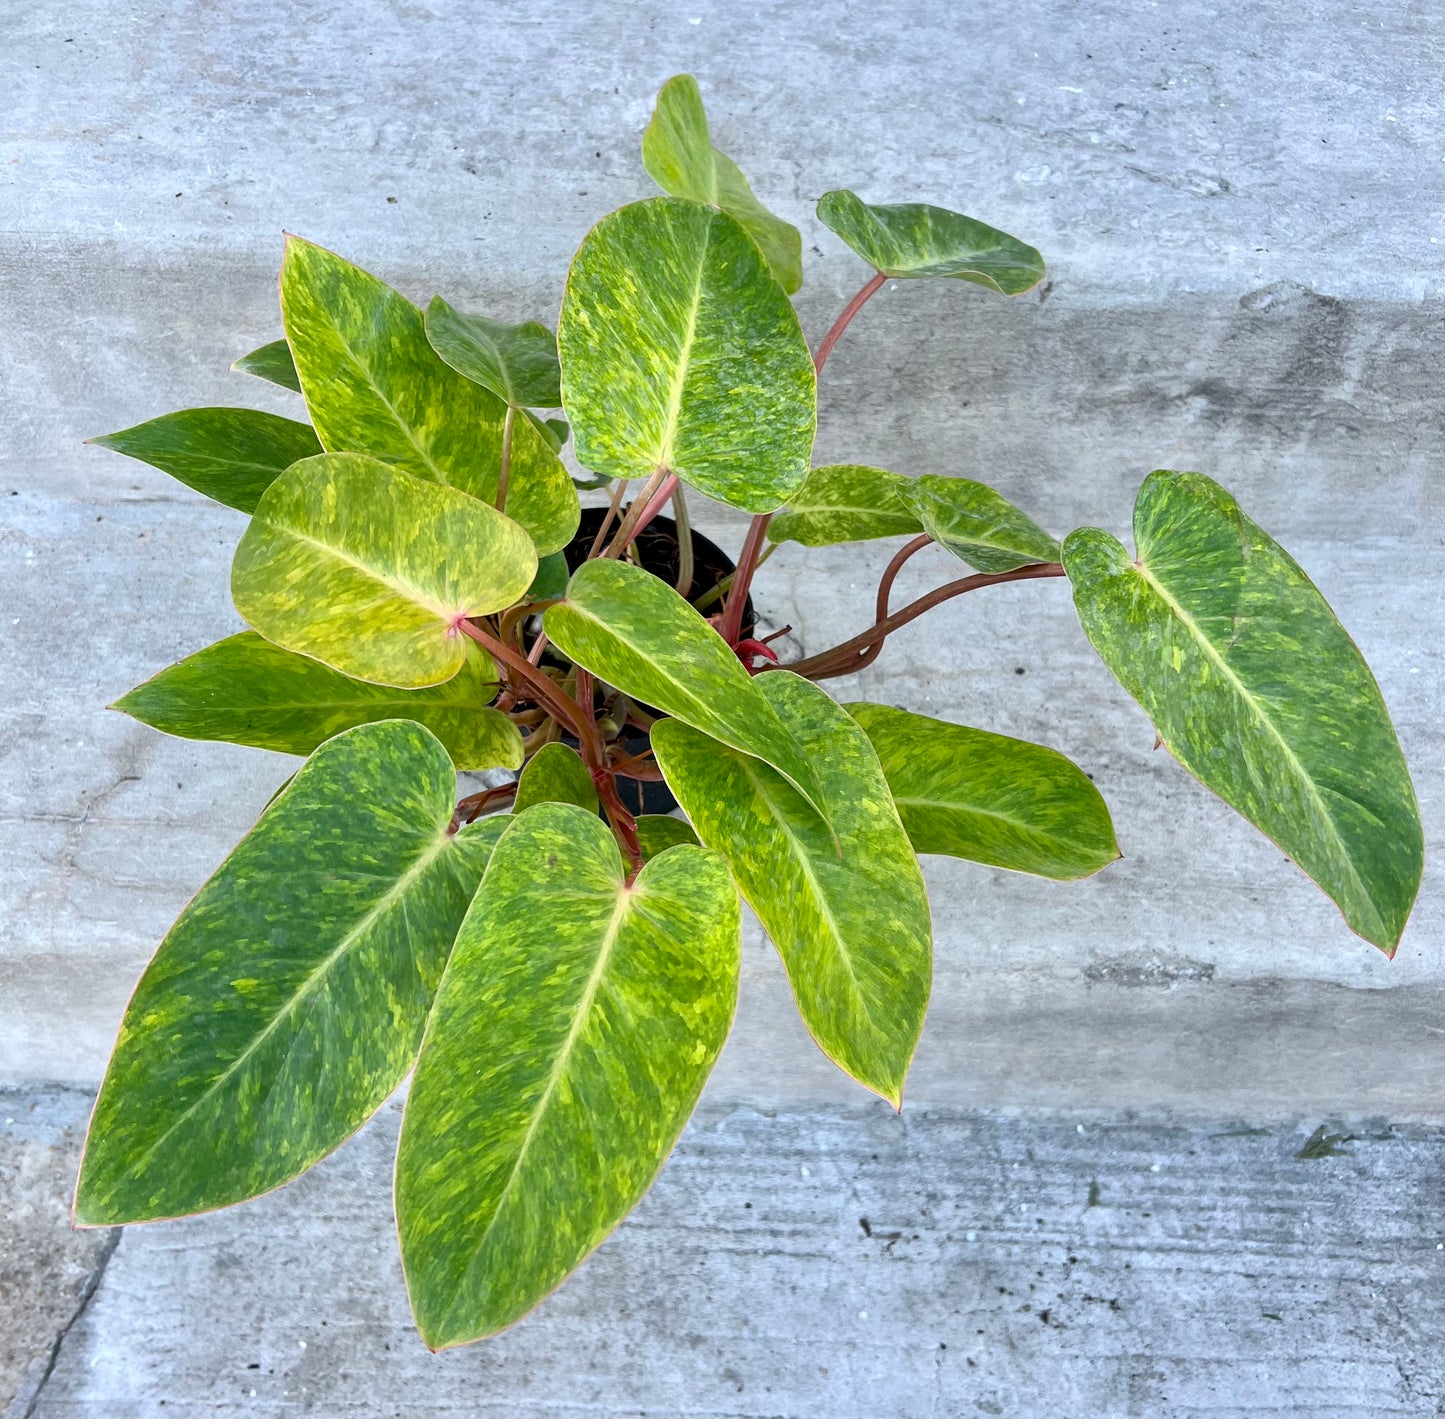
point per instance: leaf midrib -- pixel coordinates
(666, 451)
(950, 806)
(397, 890)
(1260, 714)
(580, 1020)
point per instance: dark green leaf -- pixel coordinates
(518, 363)
(978, 525)
(913, 239)
(551, 579)
(371, 570)
(374, 385)
(272, 363)
(850, 921)
(555, 774)
(845, 502)
(555, 432)
(967, 793)
(572, 1035)
(247, 691)
(231, 455)
(288, 1001)
(1257, 690)
(677, 151)
(656, 832)
(680, 351)
(636, 633)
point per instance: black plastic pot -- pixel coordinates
(657, 552)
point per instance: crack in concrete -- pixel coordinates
(27, 1398)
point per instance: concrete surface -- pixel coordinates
(1240, 206)
(942, 1263)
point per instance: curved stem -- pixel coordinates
(885, 590)
(849, 656)
(844, 320)
(732, 620)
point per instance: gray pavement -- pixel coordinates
(1241, 210)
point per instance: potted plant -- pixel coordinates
(558, 968)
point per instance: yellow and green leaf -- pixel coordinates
(576, 1025)
(978, 525)
(636, 633)
(678, 154)
(518, 363)
(850, 919)
(289, 999)
(1257, 690)
(966, 793)
(555, 774)
(371, 570)
(681, 352)
(845, 502)
(374, 385)
(913, 239)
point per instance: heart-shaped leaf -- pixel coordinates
(1257, 690)
(978, 525)
(244, 690)
(555, 774)
(273, 363)
(850, 921)
(518, 363)
(231, 455)
(289, 999)
(845, 502)
(987, 798)
(912, 239)
(374, 385)
(636, 633)
(680, 351)
(371, 570)
(677, 152)
(573, 1032)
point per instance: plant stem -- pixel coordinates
(885, 590)
(505, 475)
(539, 687)
(844, 320)
(613, 504)
(732, 620)
(748, 560)
(684, 542)
(629, 528)
(849, 656)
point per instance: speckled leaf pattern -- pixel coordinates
(967, 793)
(370, 570)
(636, 633)
(518, 363)
(677, 152)
(244, 690)
(374, 385)
(231, 455)
(289, 999)
(555, 774)
(913, 239)
(977, 524)
(571, 1037)
(273, 363)
(851, 923)
(680, 351)
(656, 832)
(1257, 690)
(845, 502)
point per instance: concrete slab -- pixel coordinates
(850, 1261)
